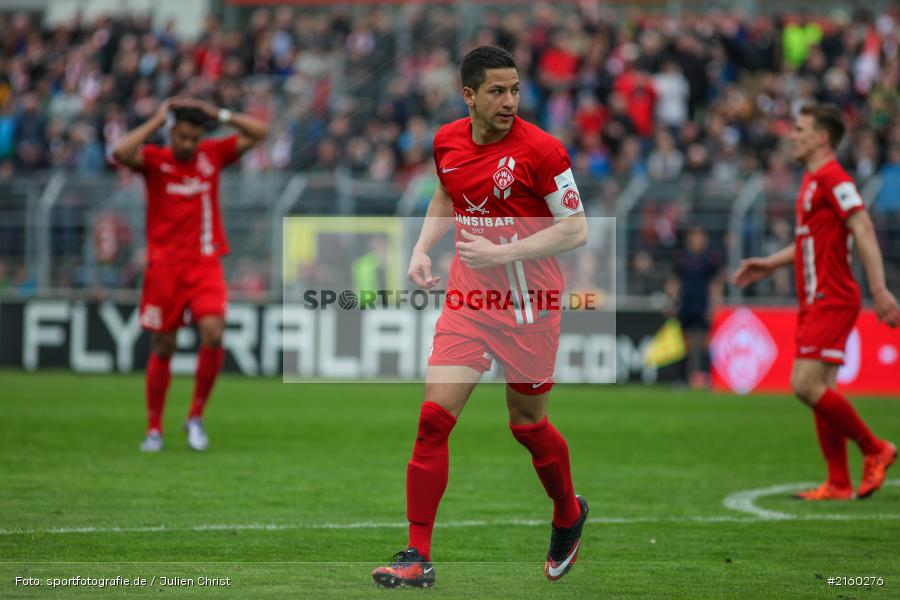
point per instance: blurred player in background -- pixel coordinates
(831, 218)
(185, 239)
(498, 176)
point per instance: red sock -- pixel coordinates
(834, 448)
(156, 385)
(209, 363)
(550, 457)
(841, 415)
(427, 474)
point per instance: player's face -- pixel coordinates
(805, 138)
(496, 101)
(185, 138)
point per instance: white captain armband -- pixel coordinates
(565, 201)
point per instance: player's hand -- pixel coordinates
(886, 308)
(751, 271)
(420, 271)
(208, 108)
(477, 252)
(162, 111)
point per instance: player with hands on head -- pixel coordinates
(185, 240)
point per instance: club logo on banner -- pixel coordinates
(753, 349)
(745, 348)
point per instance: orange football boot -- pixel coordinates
(875, 469)
(826, 491)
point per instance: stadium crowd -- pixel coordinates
(710, 95)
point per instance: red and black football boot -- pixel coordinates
(407, 568)
(564, 546)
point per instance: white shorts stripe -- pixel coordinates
(206, 246)
(529, 313)
(515, 291)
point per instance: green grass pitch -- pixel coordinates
(302, 493)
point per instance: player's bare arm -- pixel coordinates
(437, 223)
(757, 268)
(860, 224)
(567, 234)
(128, 149)
(251, 131)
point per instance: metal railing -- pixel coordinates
(67, 235)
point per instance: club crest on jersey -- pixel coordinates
(503, 177)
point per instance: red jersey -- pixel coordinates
(822, 252)
(184, 222)
(505, 191)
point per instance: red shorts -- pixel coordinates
(172, 288)
(822, 332)
(528, 358)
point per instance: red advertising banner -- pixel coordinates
(753, 348)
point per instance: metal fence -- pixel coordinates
(67, 235)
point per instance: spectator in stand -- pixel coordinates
(624, 76)
(618, 125)
(674, 93)
(639, 93)
(665, 161)
(724, 85)
(696, 287)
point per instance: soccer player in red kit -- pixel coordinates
(831, 219)
(185, 239)
(508, 187)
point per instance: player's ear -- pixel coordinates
(469, 96)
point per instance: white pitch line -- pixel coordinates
(465, 523)
(745, 501)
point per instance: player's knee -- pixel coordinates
(163, 346)
(526, 415)
(435, 424)
(211, 334)
(805, 389)
(212, 340)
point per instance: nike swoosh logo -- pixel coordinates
(535, 386)
(448, 170)
(556, 572)
(428, 570)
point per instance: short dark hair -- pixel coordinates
(481, 59)
(192, 115)
(827, 117)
